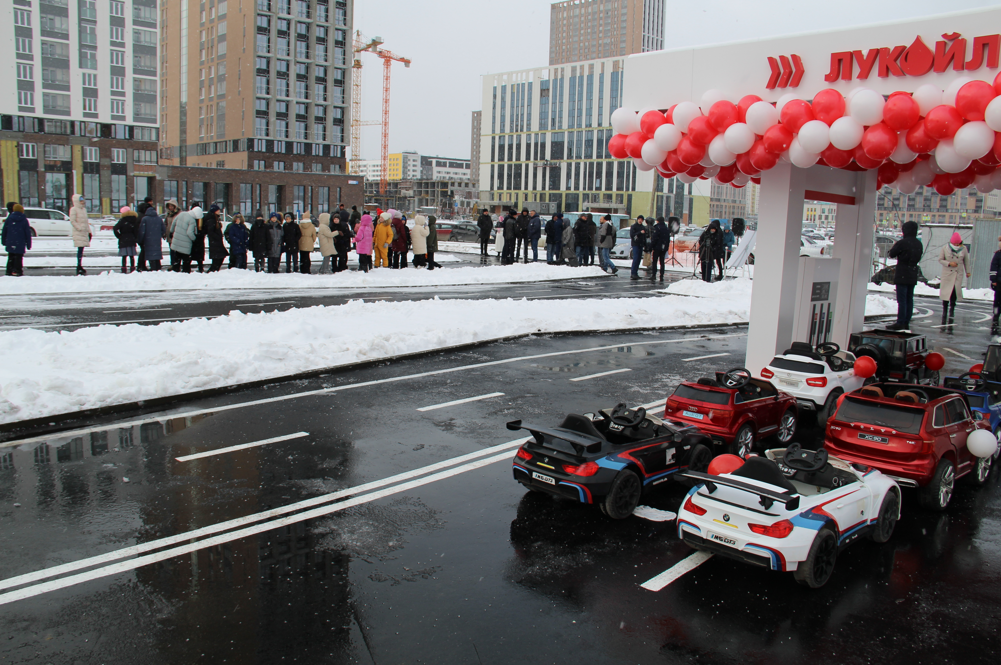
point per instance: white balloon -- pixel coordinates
(738, 138)
(642, 166)
(846, 133)
(948, 159)
(785, 99)
(855, 91)
(718, 151)
(981, 443)
(784, 158)
(684, 113)
(903, 154)
(992, 116)
(741, 179)
(984, 183)
(710, 97)
(707, 161)
(760, 116)
(927, 97)
(667, 137)
(815, 136)
(711, 171)
(625, 121)
(974, 140)
(800, 156)
(687, 179)
(651, 154)
(996, 179)
(906, 185)
(949, 95)
(866, 107)
(922, 173)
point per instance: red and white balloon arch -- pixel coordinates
(947, 139)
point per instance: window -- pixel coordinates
(57, 76)
(301, 134)
(147, 86)
(302, 9)
(87, 9)
(55, 49)
(261, 127)
(28, 181)
(91, 154)
(116, 8)
(22, 17)
(284, 7)
(27, 150)
(261, 105)
(55, 103)
(298, 166)
(118, 58)
(262, 85)
(55, 23)
(341, 17)
(92, 191)
(302, 29)
(144, 156)
(317, 167)
(301, 90)
(279, 166)
(22, 45)
(283, 47)
(118, 155)
(282, 87)
(144, 61)
(300, 110)
(319, 131)
(321, 92)
(323, 194)
(263, 44)
(144, 109)
(322, 12)
(90, 105)
(143, 37)
(25, 72)
(118, 83)
(281, 129)
(147, 14)
(58, 153)
(117, 33)
(89, 80)
(259, 165)
(302, 50)
(118, 192)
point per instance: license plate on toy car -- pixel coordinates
(545, 479)
(730, 542)
(873, 437)
(692, 414)
(789, 382)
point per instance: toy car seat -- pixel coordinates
(704, 381)
(871, 391)
(803, 349)
(766, 471)
(581, 425)
(909, 397)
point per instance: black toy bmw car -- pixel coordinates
(608, 459)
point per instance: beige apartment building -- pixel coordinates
(593, 29)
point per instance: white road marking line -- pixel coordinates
(350, 386)
(674, 572)
(142, 548)
(264, 304)
(714, 355)
(124, 566)
(987, 317)
(229, 449)
(595, 376)
(434, 407)
(129, 311)
(927, 313)
(660, 402)
(957, 353)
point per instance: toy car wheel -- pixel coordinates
(787, 426)
(824, 413)
(936, 494)
(997, 435)
(700, 458)
(624, 496)
(819, 564)
(889, 513)
(981, 470)
(743, 442)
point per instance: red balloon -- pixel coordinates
(666, 175)
(650, 121)
(701, 130)
(888, 172)
(901, 112)
(942, 122)
(943, 185)
(761, 158)
(973, 98)
(879, 141)
(696, 170)
(725, 463)
(722, 114)
(919, 140)
(689, 151)
(904, 168)
(617, 146)
(736, 186)
(864, 367)
(634, 144)
(979, 367)
(997, 84)
(997, 148)
(979, 168)
(777, 139)
(745, 166)
(934, 361)
(990, 158)
(674, 163)
(669, 114)
(756, 180)
(726, 174)
(828, 105)
(864, 160)
(795, 114)
(963, 179)
(745, 103)
(836, 158)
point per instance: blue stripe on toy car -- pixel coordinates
(520, 468)
(778, 561)
(810, 520)
(609, 463)
(661, 475)
(691, 526)
(585, 494)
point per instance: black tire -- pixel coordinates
(699, 458)
(981, 471)
(787, 427)
(451, 238)
(34, 234)
(819, 564)
(889, 513)
(936, 494)
(624, 495)
(743, 441)
(825, 412)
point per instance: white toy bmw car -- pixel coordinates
(815, 377)
(792, 510)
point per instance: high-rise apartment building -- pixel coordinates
(255, 84)
(474, 146)
(591, 29)
(80, 115)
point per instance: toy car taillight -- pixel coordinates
(692, 508)
(817, 382)
(585, 469)
(672, 405)
(523, 454)
(767, 373)
(780, 529)
(720, 417)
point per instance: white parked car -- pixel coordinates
(623, 244)
(810, 247)
(815, 377)
(46, 222)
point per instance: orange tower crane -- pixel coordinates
(388, 57)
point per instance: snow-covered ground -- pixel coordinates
(925, 290)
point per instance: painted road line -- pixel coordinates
(242, 446)
(238, 522)
(595, 376)
(660, 402)
(350, 386)
(925, 315)
(674, 572)
(434, 407)
(987, 317)
(264, 304)
(130, 311)
(125, 566)
(714, 355)
(957, 353)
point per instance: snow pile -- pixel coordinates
(248, 279)
(926, 290)
(654, 515)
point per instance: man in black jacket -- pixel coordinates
(486, 226)
(661, 238)
(994, 276)
(907, 251)
(638, 234)
(521, 235)
(507, 253)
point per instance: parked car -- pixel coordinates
(623, 245)
(900, 355)
(983, 396)
(47, 222)
(688, 239)
(816, 377)
(460, 231)
(810, 247)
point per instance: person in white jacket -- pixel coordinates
(419, 241)
(81, 230)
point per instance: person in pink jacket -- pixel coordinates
(363, 243)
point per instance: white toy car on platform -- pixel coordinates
(815, 377)
(792, 510)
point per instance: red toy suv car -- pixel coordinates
(735, 409)
(914, 434)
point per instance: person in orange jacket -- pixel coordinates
(381, 241)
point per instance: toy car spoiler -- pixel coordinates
(766, 497)
(581, 443)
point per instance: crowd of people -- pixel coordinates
(573, 244)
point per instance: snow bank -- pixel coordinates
(925, 290)
(250, 280)
(740, 289)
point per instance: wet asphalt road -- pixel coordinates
(453, 564)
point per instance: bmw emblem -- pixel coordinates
(546, 460)
(726, 518)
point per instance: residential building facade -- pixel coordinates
(592, 29)
(444, 168)
(820, 213)
(455, 199)
(403, 166)
(474, 146)
(726, 202)
(926, 206)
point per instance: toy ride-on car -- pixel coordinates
(793, 510)
(983, 396)
(735, 409)
(608, 459)
(921, 436)
(899, 356)
(816, 377)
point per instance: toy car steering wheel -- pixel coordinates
(828, 349)
(736, 378)
(804, 460)
(624, 416)
(972, 385)
(920, 393)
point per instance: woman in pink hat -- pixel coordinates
(955, 260)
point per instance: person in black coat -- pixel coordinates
(521, 234)
(238, 236)
(259, 242)
(127, 232)
(660, 238)
(639, 233)
(290, 243)
(342, 243)
(16, 239)
(557, 239)
(907, 251)
(486, 226)
(217, 250)
(711, 248)
(994, 276)
(141, 209)
(198, 246)
(510, 232)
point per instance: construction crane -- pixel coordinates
(356, 122)
(388, 57)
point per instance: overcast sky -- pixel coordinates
(452, 43)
